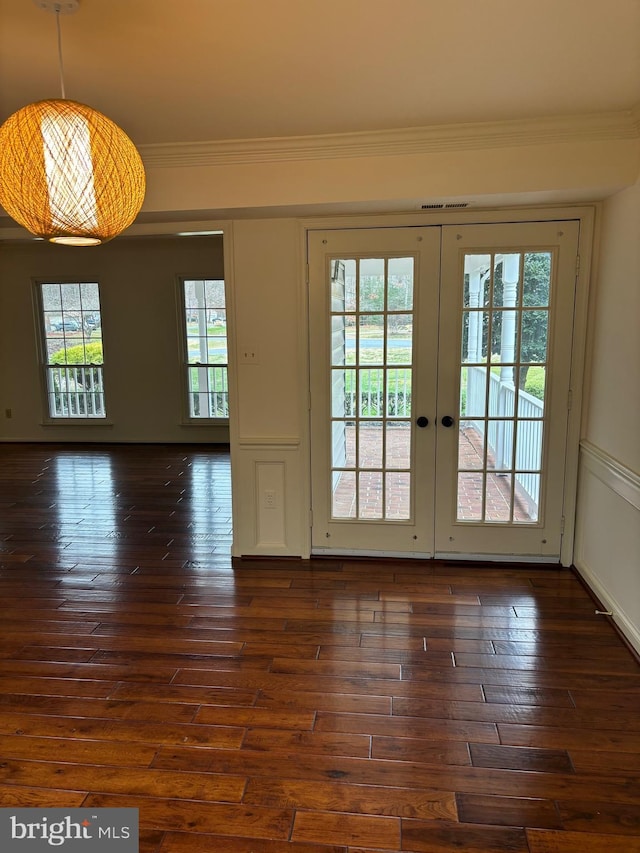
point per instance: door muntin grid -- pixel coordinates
(503, 370)
(371, 364)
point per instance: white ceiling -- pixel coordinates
(172, 71)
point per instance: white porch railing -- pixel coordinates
(208, 391)
(75, 391)
(503, 398)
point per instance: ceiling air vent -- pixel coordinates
(431, 206)
(457, 204)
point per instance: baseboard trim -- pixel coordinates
(605, 601)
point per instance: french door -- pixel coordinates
(440, 374)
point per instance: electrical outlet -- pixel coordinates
(269, 499)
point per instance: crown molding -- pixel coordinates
(592, 127)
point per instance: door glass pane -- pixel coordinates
(498, 497)
(537, 278)
(531, 399)
(338, 339)
(399, 338)
(535, 327)
(371, 339)
(502, 394)
(475, 336)
(343, 445)
(470, 497)
(371, 284)
(371, 393)
(400, 284)
(471, 446)
(398, 444)
(504, 337)
(527, 497)
(506, 280)
(370, 494)
(372, 331)
(477, 280)
(370, 444)
(500, 440)
(343, 391)
(344, 496)
(473, 392)
(397, 495)
(528, 446)
(399, 391)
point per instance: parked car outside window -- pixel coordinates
(68, 324)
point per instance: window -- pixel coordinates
(73, 358)
(205, 336)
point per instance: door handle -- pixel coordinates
(422, 422)
(447, 421)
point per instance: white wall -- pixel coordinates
(608, 516)
(143, 371)
(269, 453)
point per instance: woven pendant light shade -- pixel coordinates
(68, 173)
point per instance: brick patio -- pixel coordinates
(397, 497)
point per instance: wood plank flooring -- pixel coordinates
(330, 706)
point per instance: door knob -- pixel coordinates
(422, 421)
(447, 421)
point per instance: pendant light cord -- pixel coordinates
(60, 65)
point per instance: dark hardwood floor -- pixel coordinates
(311, 707)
